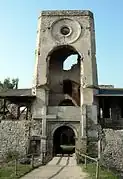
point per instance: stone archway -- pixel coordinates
(60, 79)
(63, 140)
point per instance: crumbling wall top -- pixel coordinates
(66, 13)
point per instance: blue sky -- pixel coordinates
(18, 25)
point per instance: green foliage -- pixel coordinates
(8, 171)
(104, 173)
(12, 155)
(9, 84)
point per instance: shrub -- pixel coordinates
(12, 155)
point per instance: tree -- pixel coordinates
(9, 84)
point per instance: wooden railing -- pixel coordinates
(92, 159)
(30, 161)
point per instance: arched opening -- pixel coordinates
(63, 68)
(70, 61)
(66, 102)
(64, 140)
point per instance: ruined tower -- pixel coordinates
(65, 102)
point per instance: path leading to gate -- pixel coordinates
(58, 168)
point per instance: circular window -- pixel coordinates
(65, 30)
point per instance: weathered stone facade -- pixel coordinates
(61, 100)
(13, 136)
(112, 150)
(59, 35)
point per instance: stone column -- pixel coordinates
(39, 110)
(83, 114)
(43, 138)
(83, 138)
(92, 132)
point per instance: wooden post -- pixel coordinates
(44, 158)
(16, 167)
(32, 162)
(85, 162)
(99, 148)
(97, 170)
(99, 152)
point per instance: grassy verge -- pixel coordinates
(104, 174)
(8, 172)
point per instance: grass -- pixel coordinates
(104, 174)
(8, 172)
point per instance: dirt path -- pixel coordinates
(58, 168)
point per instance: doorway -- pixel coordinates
(64, 140)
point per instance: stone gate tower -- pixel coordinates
(65, 98)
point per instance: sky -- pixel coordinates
(18, 26)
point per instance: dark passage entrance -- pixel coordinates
(64, 141)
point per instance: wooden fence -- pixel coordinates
(18, 166)
(96, 160)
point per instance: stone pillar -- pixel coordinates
(92, 133)
(50, 149)
(81, 97)
(43, 121)
(83, 138)
(44, 125)
(39, 110)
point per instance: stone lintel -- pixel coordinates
(51, 116)
(43, 116)
(66, 13)
(63, 120)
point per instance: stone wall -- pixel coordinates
(13, 136)
(112, 149)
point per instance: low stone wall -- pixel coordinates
(112, 154)
(13, 136)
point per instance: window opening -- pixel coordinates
(70, 61)
(65, 30)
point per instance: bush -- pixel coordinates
(103, 174)
(12, 155)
